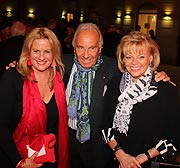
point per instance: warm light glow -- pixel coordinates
(31, 10)
(128, 9)
(127, 16)
(168, 10)
(119, 13)
(127, 22)
(31, 13)
(81, 17)
(167, 15)
(153, 19)
(128, 12)
(9, 11)
(63, 16)
(69, 16)
(8, 8)
(118, 20)
(167, 21)
(118, 17)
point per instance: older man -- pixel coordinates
(87, 73)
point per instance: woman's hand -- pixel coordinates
(153, 152)
(29, 162)
(126, 160)
(141, 158)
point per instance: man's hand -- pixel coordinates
(12, 64)
(162, 76)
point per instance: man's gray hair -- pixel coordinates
(88, 26)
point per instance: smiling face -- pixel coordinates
(136, 62)
(87, 48)
(41, 55)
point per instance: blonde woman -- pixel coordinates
(144, 114)
(33, 118)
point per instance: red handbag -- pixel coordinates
(43, 144)
(46, 153)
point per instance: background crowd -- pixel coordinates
(11, 43)
(88, 70)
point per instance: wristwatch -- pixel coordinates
(117, 147)
(148, 156)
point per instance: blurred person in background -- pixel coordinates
(6, 31)
(66, 43)
(10, 49)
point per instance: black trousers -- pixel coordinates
(90, 154)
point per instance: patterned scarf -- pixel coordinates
(80, 98)
(132, 93)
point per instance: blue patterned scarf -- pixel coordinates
(80, 98)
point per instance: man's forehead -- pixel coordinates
(87, 42)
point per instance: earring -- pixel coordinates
(29, 63)
(151, 64)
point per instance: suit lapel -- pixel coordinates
(96, 107)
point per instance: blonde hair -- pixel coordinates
(88, 26)
(134, 42)
(41, 33)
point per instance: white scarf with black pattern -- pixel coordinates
(132, 93)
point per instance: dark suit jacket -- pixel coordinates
(98, 153)
(10, 50)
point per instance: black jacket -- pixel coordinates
(93, 153)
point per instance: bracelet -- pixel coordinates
(21, 164)
(117, 147)
(148, 156)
